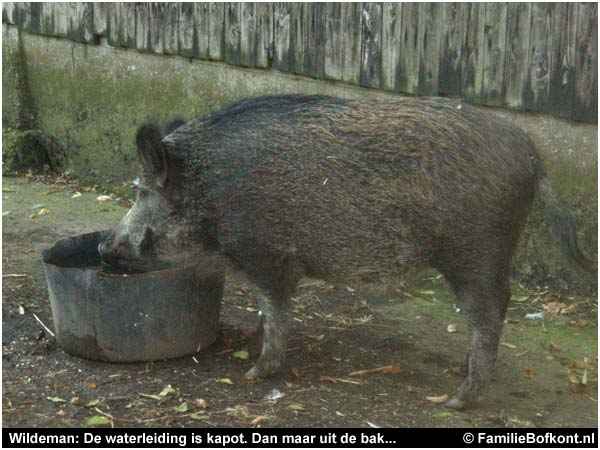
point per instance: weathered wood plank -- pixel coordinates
(585, 103)
(562, 70)
(298, 32)
(540, 45)
(263, 53)
(22, 15)
(334, 42)
(281, 36)
(47, 19)
(216, 22)
(370, 74)
(116, 24)
(517, 54)
(170, 22)
(247, 34)
(453, 41)
(352, 51)
(187, 30)
(391, 45)
(129, 28)
(100, 11)
(314, 64)
(8, 10)
(202, 37)
(494, 49)
(408, 63)
(430, 35)
(35, 17)
(472, 75)
(232, 33)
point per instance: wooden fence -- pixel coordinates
(526, 56)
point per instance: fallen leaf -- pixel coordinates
(296, 407)
(426, 292)
(339, 414)
(327, 378)
(166, 391)
(579, 323)
(93, 403)
(554, 307)
(225, 381)
(437, 398)
(74, 400)
(508, 345)
(153, 397)
(241, 354)
(258, 420)
(51, 191)
(443, 414)
(275, 394)
(41, 212)
(372, 425)
(196, 416)
(14, 275)
(385, 369)
(21, 309)
(201, 403)
(452, 328)
(296, 372)
(96, 421)
(103, 198)
(56, 399)
(76, 195)
(569, 309)
(528, 373)
(181, 408)
(92, 386)
(5, 213)
(520, 299)
(554, 348)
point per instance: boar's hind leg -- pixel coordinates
(484, 296)
(279, 282)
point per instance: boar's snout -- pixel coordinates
(112, 248)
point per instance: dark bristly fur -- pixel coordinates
(292, 186)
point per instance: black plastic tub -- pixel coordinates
(120, 317)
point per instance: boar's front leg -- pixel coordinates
(278, 278)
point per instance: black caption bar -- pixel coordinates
(298, 438)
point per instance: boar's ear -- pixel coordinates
(151, 152)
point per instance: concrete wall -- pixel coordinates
(92, 98)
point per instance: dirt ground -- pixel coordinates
(546, 374)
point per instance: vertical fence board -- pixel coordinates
(540, 45)
(517, 54)
(47, 19)
(391, 45)
(408, 64)
(370, 74)
(314, 64)
(170, 38)
(454, 18)
(562, 70)
(202, 36)
(298, 30)
(100, 18)
(352, 30)
(8, 10)
(187, 29)
(334, 42)
(247, 34)
(263, 52)
(472, 75)
(216, 23)
(281, 36)
(231, 51)
(430, 34)
(585, 104)
(494, 49)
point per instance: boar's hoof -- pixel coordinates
(455, 403)
(263, 369)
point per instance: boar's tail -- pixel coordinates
(563, 225)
